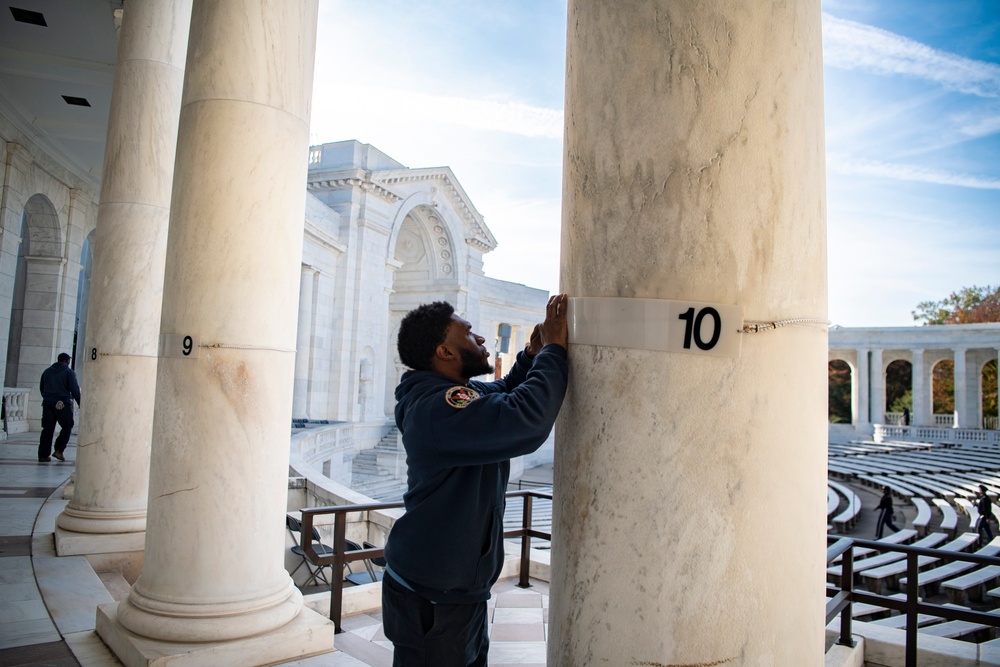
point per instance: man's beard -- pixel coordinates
(474, 364)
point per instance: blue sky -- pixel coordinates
(912, 131)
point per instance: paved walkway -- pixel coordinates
(47, 604)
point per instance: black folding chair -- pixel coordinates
(316, 572)
(370, 575)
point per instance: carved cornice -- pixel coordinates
(478, 244)
(363, 183)
(470, 216)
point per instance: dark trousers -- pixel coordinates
(432, 635)
(985, 530)
(884, 519)
(50, 417)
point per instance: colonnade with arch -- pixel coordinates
(964, 355)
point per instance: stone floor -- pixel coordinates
(47, 604)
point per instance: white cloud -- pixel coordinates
(979, 126)
(852, 45)
(905, 172)
(381, 104)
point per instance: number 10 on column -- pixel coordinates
(705, 328)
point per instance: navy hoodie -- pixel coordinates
(448, 546)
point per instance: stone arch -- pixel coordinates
(42, 334)
(898, 386)
(425, 268)
(422, 244)
(943, 388)
(988, 415)
(44, 227)
(841, 379)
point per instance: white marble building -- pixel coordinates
(869, 351)
(380, 240)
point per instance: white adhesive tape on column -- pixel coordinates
(652, 324)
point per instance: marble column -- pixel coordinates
(108, 509)
(859, 393)
(214, 589)
(689, 512)
(877, 370)
(303, 343)
(961, 394)
(920, 383)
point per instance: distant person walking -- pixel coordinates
(906, 416)
(885, 514)
(59, 388)
(985, 507)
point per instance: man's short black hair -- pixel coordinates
(421, 331)
(63, 357)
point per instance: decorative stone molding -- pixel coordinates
(365, 184)
(472, 219)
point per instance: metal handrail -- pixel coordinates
(340, 557)
(842, 599)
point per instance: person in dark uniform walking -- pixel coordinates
(59, 388)
(885, 513)
(985, 507)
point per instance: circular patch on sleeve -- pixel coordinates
(459, 397)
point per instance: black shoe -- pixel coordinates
(59, 456)
(45, 460)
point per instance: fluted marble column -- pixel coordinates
(214, 568)
(961, 391)
(920, 383)
(877, 410)
(690, 490)
(859, 393)
(108, 509)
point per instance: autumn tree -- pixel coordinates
(969, 305)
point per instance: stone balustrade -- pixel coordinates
(15, 406)
(964, 436)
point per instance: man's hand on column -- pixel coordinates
(554, 329)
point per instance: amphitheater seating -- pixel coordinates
(973, 585)
(834, 572)
(847, 518)
(941, 482)
(876, 579)
(929, 580)
(969, 510)
(950, 521)
(832, 501)
(923, 517)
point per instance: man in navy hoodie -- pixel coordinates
(59, 389)
(446, 552)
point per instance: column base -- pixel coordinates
(71, 543)
(309, 633)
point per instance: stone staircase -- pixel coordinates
(380, 472)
